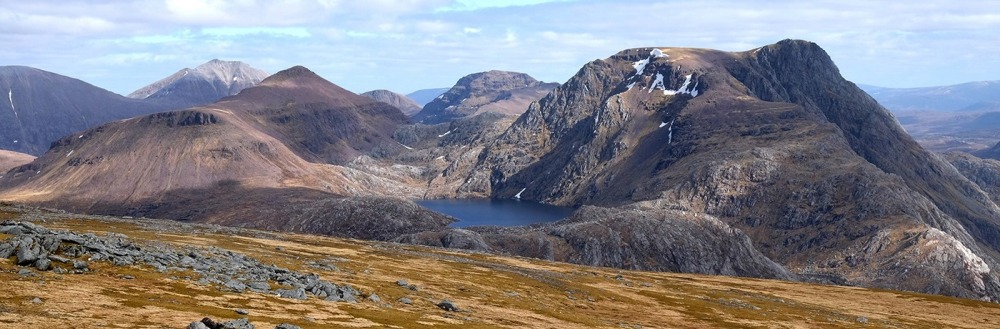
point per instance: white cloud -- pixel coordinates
(879, 42)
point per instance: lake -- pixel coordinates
(499, 212)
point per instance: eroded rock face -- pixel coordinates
(486, 92)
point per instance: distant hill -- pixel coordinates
(424, 96)
(40, 107)
(502, 92)
(963, 117)
(967, 97)
(403, 103)
(204, 84)
(10, 159)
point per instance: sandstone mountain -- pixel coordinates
(486, 92)
(403, 103)
(774, 143)
(202, 85)
(42, 107)
(10, 160)
(424, 96)
(275, 148)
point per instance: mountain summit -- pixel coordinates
(202, 85)
(485, 92)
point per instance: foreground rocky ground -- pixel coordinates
(104, 272)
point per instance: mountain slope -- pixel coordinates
(202, 85)
(273, 146)
(398, 286)
(990, 153)
(403, 103)
(972, 96)
(9, 160)
(771, 141)
(486, 92)
(42, 107)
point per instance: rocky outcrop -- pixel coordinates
(403, 103)
(984, 172)
(202, 85)
(637, 237)
(486, 92)
(69, 252)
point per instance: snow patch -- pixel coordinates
(657, 53)
(444, 134)
(81, 136)
(70, 153)
(10, 97)
(693, 91)
(439, 158)
(518, 195)
(670, 133)
(658, 83)
(640, 66)
(404, 145)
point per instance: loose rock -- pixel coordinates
(406, 301)
(241, 311)
(447, 305)
(287, 326)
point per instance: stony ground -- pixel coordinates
(396, 286)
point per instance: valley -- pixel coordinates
(642, 178)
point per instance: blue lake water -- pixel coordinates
(501, 212)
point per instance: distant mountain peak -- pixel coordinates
(204, 84)
(297, 72)
(485, 92)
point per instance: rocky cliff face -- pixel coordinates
(487, 92)
(403, 103)
(772, 141)
(39, 107)
(202, 85)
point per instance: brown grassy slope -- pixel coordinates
(493, 291)
(11, 159)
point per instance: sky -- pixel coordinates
(406, 45)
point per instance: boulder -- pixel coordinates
(448, 305)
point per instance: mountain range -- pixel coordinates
(763, 163)
(962, 117)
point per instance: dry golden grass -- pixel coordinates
(493, 291)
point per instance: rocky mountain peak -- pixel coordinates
(492, 91)
(204, 84)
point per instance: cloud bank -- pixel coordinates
(405, 45)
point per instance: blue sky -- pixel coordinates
(413, 44)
